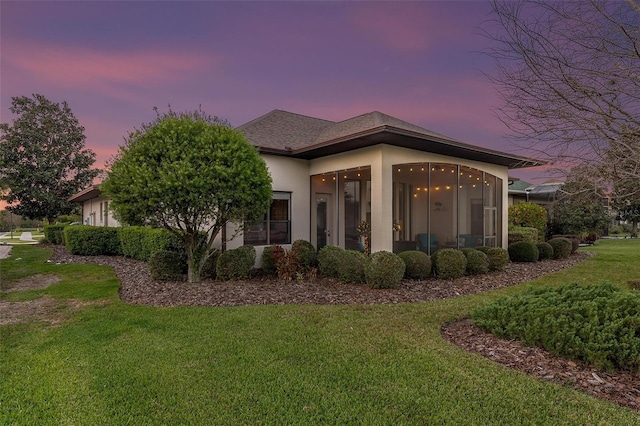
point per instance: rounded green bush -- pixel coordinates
(484, 249)
(351, 266)
(167, 265)
(270, 257)
(449, 263)
(236, 264)
(521, 233)
(575, 241)
(384, 270)
(523, 251)
(417, 263)
(498, 258)
(328, 259)
(545, 251)
(306, 252)
(477, 262)
(561, 247)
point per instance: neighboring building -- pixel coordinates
(95, 207)
(544, 194)
(417, 189)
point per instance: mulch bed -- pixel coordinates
(137, 287)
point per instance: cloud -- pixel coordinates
(109, 73)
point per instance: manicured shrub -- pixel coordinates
(561, 247)
(328, 260)
(351, 266)
(520, 233)
(209, 268)
(384, 270)
(597, 324)
(529, 215)
(575, 241)
(498, 258)
(270, 257)
(545, 251)
(139, 242)
(87, 240)
(167, 266)
(54, 233)
(236, 264)
(523, 251)
(305, 252)
(484, 249)
(477, 262)
(417, 263)
(449, 263)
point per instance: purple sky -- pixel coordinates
(114, 61)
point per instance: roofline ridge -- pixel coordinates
(302, 115)
(276, 110)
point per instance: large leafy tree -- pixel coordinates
(582, 205)
(568, 75)
(191, 174)
(43, 159)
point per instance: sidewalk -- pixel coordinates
(4, 251)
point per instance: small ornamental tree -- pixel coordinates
(529, 215)
(43, 159)
(189, 173)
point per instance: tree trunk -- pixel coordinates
(193, 264)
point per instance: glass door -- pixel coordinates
(324, 220)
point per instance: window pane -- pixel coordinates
(256, 234)
(351, 214)
(279, 232)
(279, 210)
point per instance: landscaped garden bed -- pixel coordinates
(138, 287)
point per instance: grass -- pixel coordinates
(115, 363)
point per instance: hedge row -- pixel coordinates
(135, 242)
(87, 240)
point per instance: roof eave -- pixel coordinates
(324, 148)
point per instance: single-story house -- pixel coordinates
(417, 189)
(95, 207)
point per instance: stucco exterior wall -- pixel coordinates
(96, 212)
(287, 175)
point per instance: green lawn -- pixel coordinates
(113, 363)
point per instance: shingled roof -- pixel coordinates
(300, 136)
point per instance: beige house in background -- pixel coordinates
(417, 189)
(95, 207)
